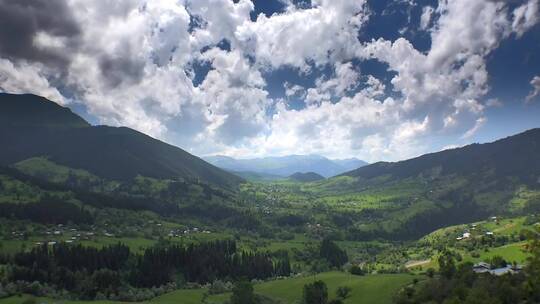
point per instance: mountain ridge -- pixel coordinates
(467, 158)
(286, 165)
(109, 152)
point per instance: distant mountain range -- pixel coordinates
(32, 126)
(287, 165)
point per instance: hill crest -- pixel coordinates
(119, 153)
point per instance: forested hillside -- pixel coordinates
(32, 126)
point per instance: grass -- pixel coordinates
(522, 197)
(185, 296)
(365, 289)
(21, 299)
(12, 190)
(14, 246)
(501, 227)
(48, 170)
(511, 253)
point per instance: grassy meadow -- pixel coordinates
(365, 289)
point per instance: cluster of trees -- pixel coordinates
(203, 263)
(322, 257)
(460, 284)
(47, 211)
(331, 252)
(232, 217)
(88, 272)
(317, 293)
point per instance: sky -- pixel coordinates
(372, 79)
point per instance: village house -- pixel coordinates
(483, 267)
(465, 235)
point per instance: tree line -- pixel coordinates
(88, 271)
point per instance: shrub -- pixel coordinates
(356, 270)
(242, 293)
(219, 286)
(315, 293)
(343, 292)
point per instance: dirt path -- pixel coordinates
(411, 264)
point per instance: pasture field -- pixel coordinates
(512, 253)
(365, 289)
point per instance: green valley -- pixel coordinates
(158, 225)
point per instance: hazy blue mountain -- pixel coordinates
(287, 165)
(32, 126)
(350, 163)
(257, 176)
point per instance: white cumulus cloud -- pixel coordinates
(135, 63)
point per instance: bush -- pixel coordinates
(219, 286)
(315, 293)
(343, 292)
(498, 261)
(242, 293)
(356, 270)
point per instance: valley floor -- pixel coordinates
(368, 289)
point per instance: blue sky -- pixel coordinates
(511, 66)
(377, 80)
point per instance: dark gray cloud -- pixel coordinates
(121, 69)
(22, 20)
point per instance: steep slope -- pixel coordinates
(286, 165)
(306, 177)
(32, 126)
(410, 198)
(28, 110)
(516, 156)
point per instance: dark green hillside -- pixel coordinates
(306, 177)
(516, 156)
(416, 196)
(31, 110)
(32, 126)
